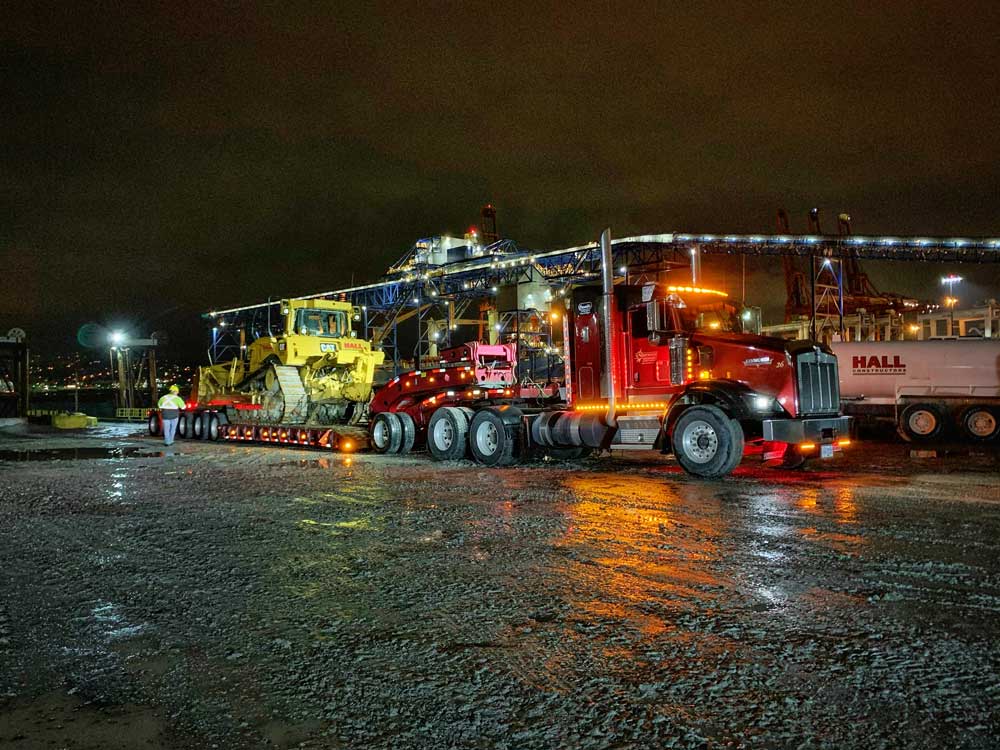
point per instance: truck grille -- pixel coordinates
(819, 387)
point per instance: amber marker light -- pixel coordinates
(843, 443)
(807, 446)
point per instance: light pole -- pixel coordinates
(950, 301)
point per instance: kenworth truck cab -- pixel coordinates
(687, 380)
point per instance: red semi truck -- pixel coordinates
(655, 366)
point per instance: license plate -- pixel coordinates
(826, 451)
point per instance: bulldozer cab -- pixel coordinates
(324, 323)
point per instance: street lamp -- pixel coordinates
(950, 301)
(117, 338)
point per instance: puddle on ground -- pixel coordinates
(76, 454)
(328, 462)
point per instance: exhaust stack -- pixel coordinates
(608, 283)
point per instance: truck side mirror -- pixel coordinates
(654, 316)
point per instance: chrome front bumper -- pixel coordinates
(815, 429)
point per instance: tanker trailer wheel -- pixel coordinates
(447, 434)
(981, 423)
(919, 422)
(153, 423)
(489, 441)
(408, 432)
(386, 432)
(707, 443)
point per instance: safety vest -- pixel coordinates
(171, 401)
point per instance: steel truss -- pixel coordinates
(432, 293)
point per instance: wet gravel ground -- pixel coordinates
(233, 597)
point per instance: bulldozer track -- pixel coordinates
(296, 401)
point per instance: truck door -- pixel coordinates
(587, 355)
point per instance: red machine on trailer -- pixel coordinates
(648, 367)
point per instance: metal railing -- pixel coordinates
(139, 414)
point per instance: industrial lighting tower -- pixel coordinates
(950, 301)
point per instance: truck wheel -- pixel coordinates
(489, 441)
(184, 426)
(201, 422)
(980, 423)
(408, 432)
(154, 424)
(212, 428)
(386, 432)
(736, 451)
(447, 434)
(703, 439)
(919, 422)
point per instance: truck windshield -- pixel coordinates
(325, 323)
(709, 318)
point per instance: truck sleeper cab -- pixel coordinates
(687, 381)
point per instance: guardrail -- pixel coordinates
(138, 414)
(43, 412)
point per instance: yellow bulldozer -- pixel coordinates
(315, 372)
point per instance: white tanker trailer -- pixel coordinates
(932, 390)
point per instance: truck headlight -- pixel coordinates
(758, 402)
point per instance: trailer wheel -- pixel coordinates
(705, 439)
(154, 424)
(489, 441)
(184, 426)
(212, 427)
(386, 432)
(201, 425)
(980, 423)
(447, 434)
(408, 432)
(919, 422)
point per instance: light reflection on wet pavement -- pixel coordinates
(249, 595)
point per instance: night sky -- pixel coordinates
(155, 164)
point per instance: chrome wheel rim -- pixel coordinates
(700, 441)
(444, 434)
(487, 438)
(380, 434)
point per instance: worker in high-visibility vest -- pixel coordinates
(170, 405)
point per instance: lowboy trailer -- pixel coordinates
(654, 367)
(228, 422)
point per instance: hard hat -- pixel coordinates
(174, 389)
